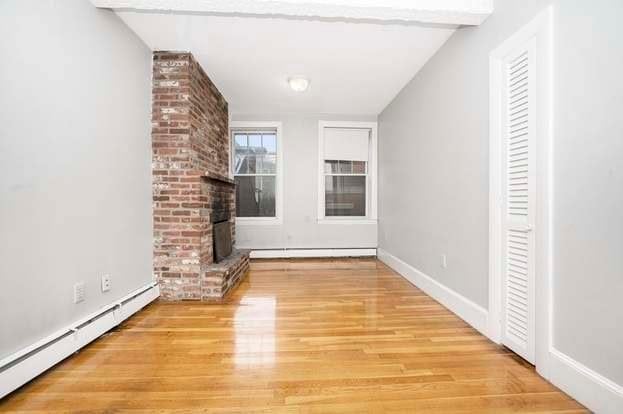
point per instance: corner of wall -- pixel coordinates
(464, 308)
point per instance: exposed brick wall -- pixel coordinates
(209, 124)
(218, 279)
(190, 138)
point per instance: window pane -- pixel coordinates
(241, 140)
(269, 142)
(267, 164)
(255, 142)
(255, 196)
(250, 160)
(253, 162)
(330, 167)
(345, 196)
(359, 167)
(346, 167)
(241, 165)
(255, 153)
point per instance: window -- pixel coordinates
(347, 185)
(345, 188)
(256, 168)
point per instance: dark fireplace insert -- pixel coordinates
(222, 240)
(221, 192)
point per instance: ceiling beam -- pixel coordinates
(450, 12)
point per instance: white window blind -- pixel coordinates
(349, 144)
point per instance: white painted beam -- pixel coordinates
(451, 12)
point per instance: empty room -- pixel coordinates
(311, 206)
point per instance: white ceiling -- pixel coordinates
(354, 67)
(466, 12)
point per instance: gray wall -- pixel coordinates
(433, 188)
(75, 178)
(588, 184)
(300, 228)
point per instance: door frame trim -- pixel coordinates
(540, 28)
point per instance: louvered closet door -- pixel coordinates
(518, 238)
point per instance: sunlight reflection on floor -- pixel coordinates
(254, 324)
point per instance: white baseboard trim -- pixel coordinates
(293, 253)
(24, 365)
(596, 392)
(470, 312)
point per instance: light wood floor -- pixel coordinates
(306, 336)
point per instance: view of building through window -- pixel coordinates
(345, 188)
(255, 173)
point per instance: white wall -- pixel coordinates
(588, 192)
(300, 228)
(75, 155)
(433, 185)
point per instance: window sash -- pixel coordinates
(261, 132)
(346, 175)
(263, 157)
(367, 192)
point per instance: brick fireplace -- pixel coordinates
(191, 189)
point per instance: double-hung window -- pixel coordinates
(256, 169)
(347, 172)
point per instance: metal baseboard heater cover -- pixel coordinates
(286, 253)
(24, 365)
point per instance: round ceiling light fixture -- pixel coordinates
(298, 83)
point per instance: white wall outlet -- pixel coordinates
(79, 292)
(444, 261)
(106, 284)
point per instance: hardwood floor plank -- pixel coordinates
(296, 337)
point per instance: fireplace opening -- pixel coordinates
(222, 240)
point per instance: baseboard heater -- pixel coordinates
(293, 253)
(24, 365)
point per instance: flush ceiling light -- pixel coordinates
(298, 84)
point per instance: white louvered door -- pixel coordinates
(519, 200)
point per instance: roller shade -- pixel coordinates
(348, 144)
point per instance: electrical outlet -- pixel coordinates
(106, 284)
(79, 292)
(444, 261)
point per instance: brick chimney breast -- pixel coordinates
(190, 166)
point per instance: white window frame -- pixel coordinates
(237, 126)
(371, 182)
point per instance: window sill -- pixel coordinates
(259, 221)
(352, 221)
